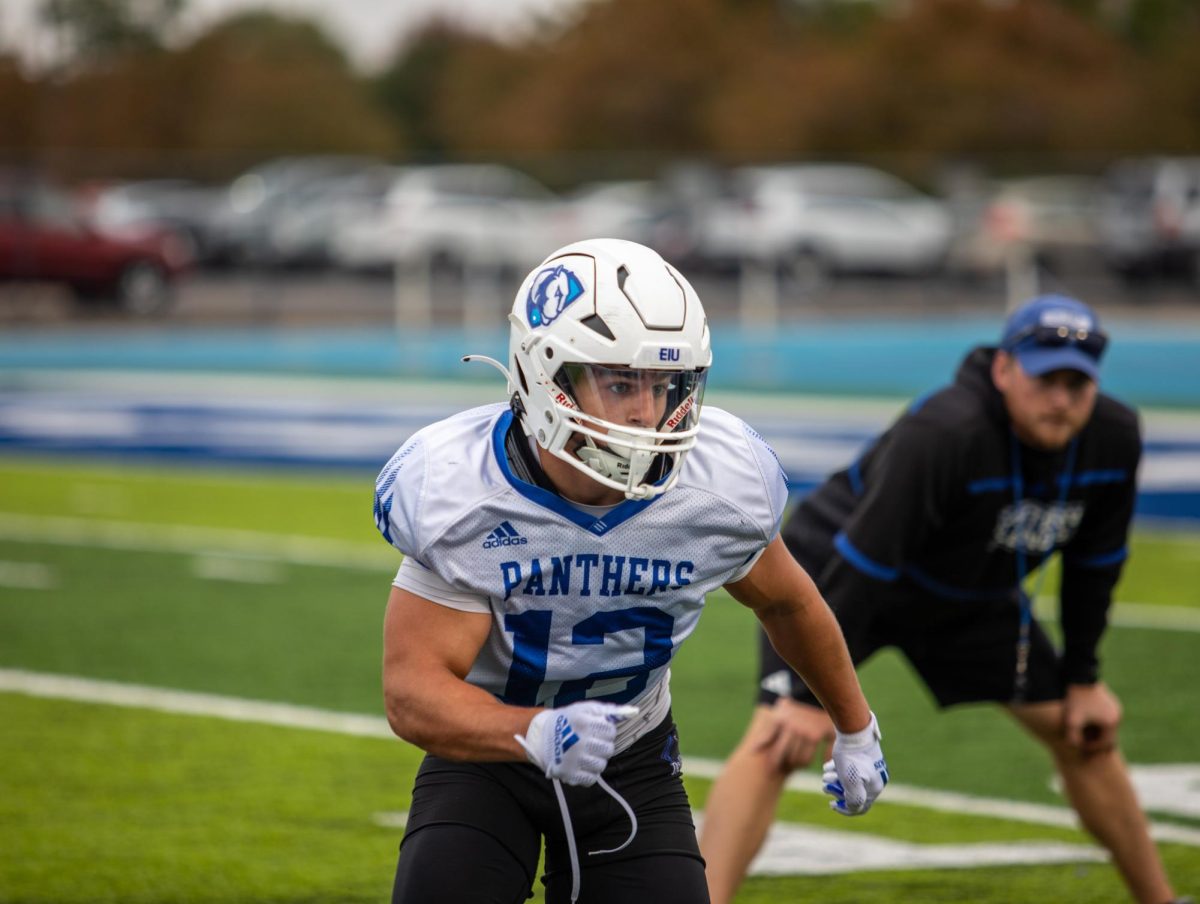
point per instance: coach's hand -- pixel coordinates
(791, 734)
(573, 744)
(857, 773)
(1091, 715)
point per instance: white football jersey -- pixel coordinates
(582, 607)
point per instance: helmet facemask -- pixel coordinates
(628, 428)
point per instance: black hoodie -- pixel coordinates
(946, 502)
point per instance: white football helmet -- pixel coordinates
(608, 353)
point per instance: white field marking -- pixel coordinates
(286, 715)
(27, 576)
(67, 687)
(1135, 615)
(299, 550)
(956, 802)
(238, 570)
(175, 538)
(796, 849)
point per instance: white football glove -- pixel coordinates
(573, 744)
(857, 773)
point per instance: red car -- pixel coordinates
(43, 239)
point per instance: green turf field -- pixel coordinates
(272, 588)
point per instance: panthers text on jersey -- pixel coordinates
(582, 607)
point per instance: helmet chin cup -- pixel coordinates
(619, 459)
(604, 461)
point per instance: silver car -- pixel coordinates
(818, 219)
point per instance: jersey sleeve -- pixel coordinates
(774, 480)
(427, 584)
(399, 497)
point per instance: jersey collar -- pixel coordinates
(552, 501)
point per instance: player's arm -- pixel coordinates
(804, 632)
(428, 650)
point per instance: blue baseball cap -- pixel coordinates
(1055, 332)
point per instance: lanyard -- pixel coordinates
(1021, 678)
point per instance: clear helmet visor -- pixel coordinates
(632, 426)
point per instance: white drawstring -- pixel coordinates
(628, 809)
(570, 831)
(566, 819)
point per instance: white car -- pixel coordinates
(816, 219)
(622, 209)
(454, 215)
(1150, 217)
(1051, 220)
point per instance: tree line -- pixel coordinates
(621, 87)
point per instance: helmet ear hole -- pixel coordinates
(520, 372)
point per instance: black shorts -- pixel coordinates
(964, 651)
(475, 832)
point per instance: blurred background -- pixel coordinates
(244, 245)
(859, 190)
(209, 162)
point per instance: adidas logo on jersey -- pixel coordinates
(504, 535)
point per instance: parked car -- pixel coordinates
(255, 200)
(44, 239)
(1150, 216)
(1052, 221)
(455, 215)
(306, 223)
(133, 209)
(812, 220)
(621, 209)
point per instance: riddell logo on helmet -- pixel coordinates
(680, 413)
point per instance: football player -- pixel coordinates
(558, 550)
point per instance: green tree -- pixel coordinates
(410, 86)
(99, 29)
(266, 84)
(18, 110)
(254, 86)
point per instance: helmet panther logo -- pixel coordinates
(553, 289)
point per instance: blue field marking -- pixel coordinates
(358, 425)
(1148, 364)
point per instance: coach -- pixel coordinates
(925, 544)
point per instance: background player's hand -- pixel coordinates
(573, 744)
(856, 774)
(792, 732)
(1091, 714)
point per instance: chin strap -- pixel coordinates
(612, 464)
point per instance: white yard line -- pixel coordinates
(206, 541)
(88, 690)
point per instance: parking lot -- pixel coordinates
(298, 298)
